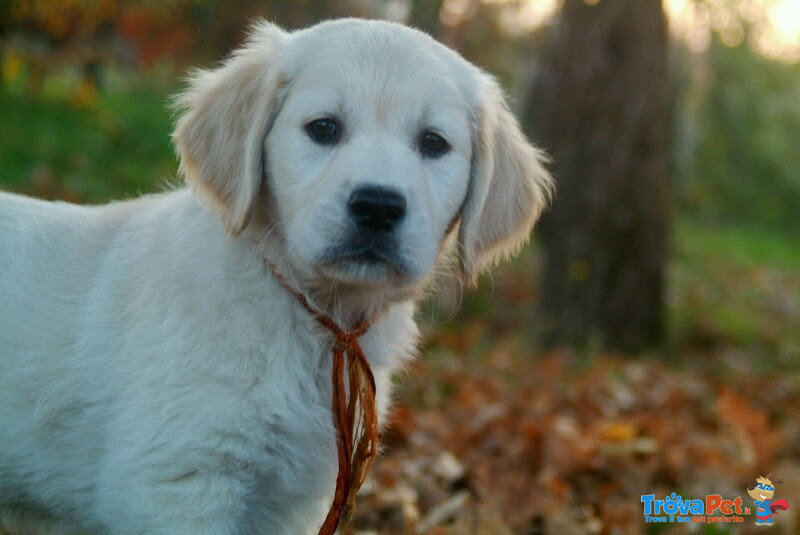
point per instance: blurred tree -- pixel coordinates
(56, 30)
(47, 35)
(600, 103)
(424, 14)
(740, 122)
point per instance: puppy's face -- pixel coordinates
(368, 158)
(364, 145)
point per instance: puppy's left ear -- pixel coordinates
(509, 186)
(227, 113)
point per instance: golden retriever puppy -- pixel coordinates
(155, 375)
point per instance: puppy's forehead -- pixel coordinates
(383, 56)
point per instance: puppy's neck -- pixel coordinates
(348, 304)
(345, 303)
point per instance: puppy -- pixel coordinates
(155, 377)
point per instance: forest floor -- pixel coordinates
(491, 436)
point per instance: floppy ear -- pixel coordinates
(508, 189)
(227, 112)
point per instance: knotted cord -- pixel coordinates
(356, 426)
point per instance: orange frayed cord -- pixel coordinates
(356, 442)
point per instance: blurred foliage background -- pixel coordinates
(496, 431)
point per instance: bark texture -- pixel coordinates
(600, 104)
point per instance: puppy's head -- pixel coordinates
(361, 146)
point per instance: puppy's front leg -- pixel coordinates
(154, 502)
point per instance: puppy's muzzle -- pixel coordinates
(376, 208)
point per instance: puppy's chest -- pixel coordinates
(295, 460)
(291, 399)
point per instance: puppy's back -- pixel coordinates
(51, 255)
(48, 254)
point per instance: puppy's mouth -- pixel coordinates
(365, 259)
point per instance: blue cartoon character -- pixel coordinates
(762, 493)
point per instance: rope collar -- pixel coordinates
(354, 416)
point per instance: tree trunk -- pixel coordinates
(425, 16)
(601, 106)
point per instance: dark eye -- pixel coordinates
(432, 144)
(325, 131)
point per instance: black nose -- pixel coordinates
(377, 208)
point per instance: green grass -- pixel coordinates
(745, 246)
(117, 147)
(736, 287)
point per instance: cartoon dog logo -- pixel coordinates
(762, 493)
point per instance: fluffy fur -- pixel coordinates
(154, 377)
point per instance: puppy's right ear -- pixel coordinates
(226, 114)
(509, 187)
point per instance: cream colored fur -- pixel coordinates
(154, 377)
